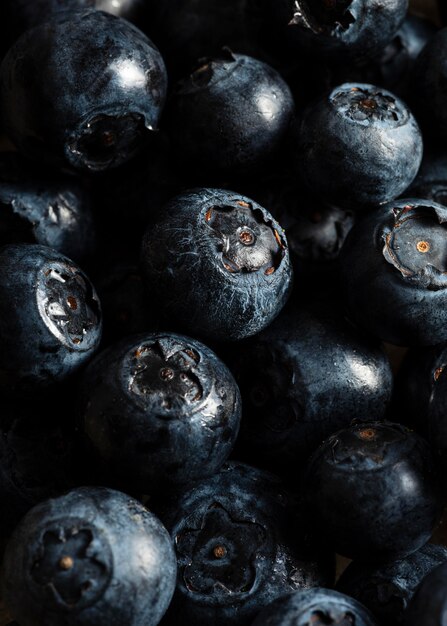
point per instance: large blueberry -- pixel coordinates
(315, 607)
(240, 545)
(387, 589)
(372, 491)
(394, 271)
(82, 90)
(307, 375)
(429, 604)
(50, 317)
(160, 409)
(93, 557)
(360, 133)
(218, 264)
(231, 113)
(37, 207)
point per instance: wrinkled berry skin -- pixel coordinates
(218, 264)
(387, 590)
(89, 558)
(429, 603)
(396, 256)
(231, 114)
(372, 489)
(160, 409)
(82, 90)
(358, 132)
(317, 607)
(240, 545)
(50, 317)
(306, 376)
(345, 28)
(44, 209)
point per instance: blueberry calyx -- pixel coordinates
(361, 104)
(322, 16)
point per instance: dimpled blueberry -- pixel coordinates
(92, 557)
(338, 27)
(387, 589)
(394, 270)
(82, 90)
(160, 409)
(50, 317)
(230, 114)
(429, 603)
(315, 607)
(218, 264)
(358, 133)
(373, 491)
(240, 544)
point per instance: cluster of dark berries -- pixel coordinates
(223, 313)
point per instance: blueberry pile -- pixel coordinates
(223, 313)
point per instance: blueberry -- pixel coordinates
(316, 607)
(373, 492)
(82, 90)
(89, 558)
(230, 114)
(36, 207)
(218, 264)
(160, 409)
(431, 181)
(343, 28)
(386, 590)
(394, 272)
(240, 544)
(358, 133)
(428, 606)
(307, 375)
(50, 317)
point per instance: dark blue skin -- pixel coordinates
(36, 207)
(429, 603)
(218, 264)
(394, 274)
(342, 28)
(372, 492)
(50, 317)
(306, 376)
(231, 114)
(93, 557)
(360, 133)
(316, 607)
(159, 409)
(437, 417)
(387, 590)
(431, 181)
(84, 90)
(240, 544)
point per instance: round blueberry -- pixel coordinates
(315, 607)
(394, 271)
(240, 544)
(82, 90)
(358, 133)
(372, 490)
(160, 409)
(431, 181)
(218, 264)
(429, 603)
(92, 557)
(50, 317)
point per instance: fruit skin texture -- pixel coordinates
(315, 606)
(358, 132)
(240, 544)
(393, 273)
(387, 590)
(372, 489)
(121, 559)
(50, 317)
(218, 264)
(160, 409)
(428, 606)
(82, 90)
(231, 114)
(304, 377)
(431, 181)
